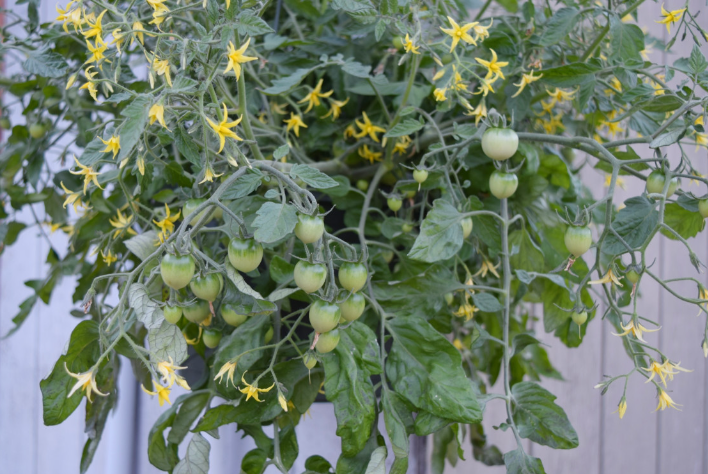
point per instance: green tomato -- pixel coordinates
(245, 254)
(5, 123)
(211, 337)
(309, 229)
(310, 360)
(633, 276)
(394, 203)
(324, 316)
(500, 143)
(197, 311)
(579, 318)
(37, 130)
(309, 277)
(420, 176)
(406, 228)
(655, 184)
(207, 287)
(327, 341)
(449, 298)
(387, 255)
(352, 276)
(190, 206)
(268, 335)
(578, 240)
(410, 194)
(503, 185)
(232, 318)
(447, 58)
(398, 42)
(362, 185)
(353, 307)
(172, 314)
(703, 207)
(466, 224)
(177, 271)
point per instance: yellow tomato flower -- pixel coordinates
(96, 50)
(109, 258)
(478, 112)
(69, 16)
(252, 391)
(209, 174)
(665, 402)
(313, 98)
(609, 277)
(466, 310)
(458, 83)
(664, 371)
(485, 87)
(636, 330)
(227, 369)
(560, 95)
(701, 140)
(283, 402)
(294, 123)
(157, 113)
(670, 17)
(86, 381)
(121, 223)
(138, 32)
(88, 173)
(622, 407)
(482, 32)
(620, 181)
(440, 94)
(370, 155)
(494, 67)
(350, 131)
(335, 108)
(526, 79)
(90, 86)
(458, 344)
(162, 68)
(280, 108)
(72, 198)
(458, 33)
(169, 375)
(368, 128)
(409, 46)
(163, 393)
(402, 145)
(166, 225)
(237, 57)
(118, 38)
(94, 28)
(223, 129)
(112, 145)
(487, 267)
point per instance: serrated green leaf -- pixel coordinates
(147, 311)
(167, 342)
(45, 63)
(406, 127)
(486, 302)
(130, 132)
(196, 459)
(312, 177)
(558, 27)
(539, 419)
(274, 221)
(440, 235)
(142, 245)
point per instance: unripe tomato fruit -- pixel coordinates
(466, 224)
(5, 123)
(324, 316)
(309, 229)
(190, 206)
(309, 360)
(37, 130)
(245, 254)
(406, 227)
(387, 255)
(398, 42)
(655, 184)
(500, 143)
(353, 307)
(503, 185)
(449, 298)
(352, 276)
(268, 335)
(394, 203)
(177, 271)
(703, 207)
(579, 318)
(578, 240)
(211, 337)
(362, 185)
(207, 287)
(447, 58)
(420, 176)
(172, 314)
(197, 311)
(327, 341)
(232, 318)
(309, 277)
(632, 276)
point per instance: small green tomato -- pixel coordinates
(309, 277)
(500, 143)
(231, 316)
(579, 318)
(177, 271)
(324, 316)
(362, 185)
(353, 307)
(245, 254)
(172, 314)
(503, 185)
(207, 287)
(197, 311)
(578, 240)
(656, 181)
(703, 207)
(309, 229)
(420, 176)
(211, 337)
(37, 130)
(310, 360)
(328, 341)
(466, 224)
(268, 335)
(352, 276)
(394, 203)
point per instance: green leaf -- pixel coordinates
(148, 311)
(274, 221)
(627, 40)
(539, 419)
(251, 25)
(318, 464)
(288, 83)
(511, 6)
(697, 62)
(398, 420)
(518, 462)
(254, 461)
(668, 138)
(486, 302)
(96, 417)
(130, 132)
(244, 185)
(142, 245)
(280, 270)
(526, 255)
(356, 69)
(240, 283)
(281, 151)
(634, 223)
(569, 75)
(187, 146)
(196, 459)
(558, 27)
(521, 341)
(188, 412)
(45, 63)
(440, 235)
(663, 103)
(218, 416)
(686, 223)
(404, 128)
(167, 342)
(313, 177)
(377, 462)
(426, 369)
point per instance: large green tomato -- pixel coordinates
(500, 143)
(211, 337)
(324, 316)
(245, 254)
(352, 276)
(503, 185)
(578, 240)
(466, 224)
(328, 341)
(656, 181)
(177, 271)
(197, 311)
(207, 287)
(172, 313)
(353, 307)
(231, 316)
(309, 277)
(309, 229)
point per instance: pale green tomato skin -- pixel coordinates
(362, 185)
(309, 277)
(579, 318)
(211, 338)
(309, 229)
(632, 276)
(394, 204)
(37, 130)
(172, 314)
(406, 228)
(500, 143)
(656, 181)
(176, 271)
(268, 335)
(232, 318)
(352, 276)
(309, 360)
(449, 298)
(353, 307)
(245, 254)
(188, 210)
(703, 207)
(207, 287)
(324, 316)
(387, 255)
(578, 240)
(466, 224)
(197, 311)
(503, 185)
(420, 176)
(328, 341)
